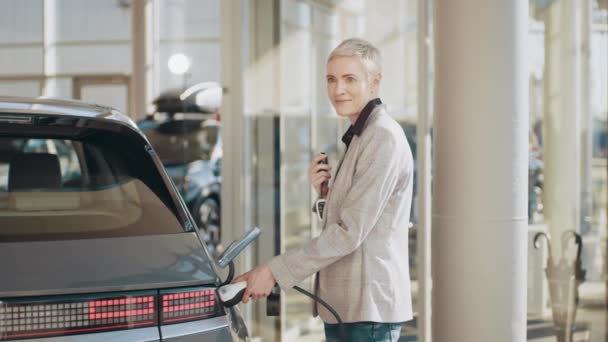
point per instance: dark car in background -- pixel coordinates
(187, 140)
(95, 242)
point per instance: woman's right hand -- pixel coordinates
(319, 175)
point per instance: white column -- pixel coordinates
(235, 199)
(54, 86)
(423, 142)
(137, 91)
(232, 121)
(586, 116)
(261, 110)
(562, 118)
(479, 242)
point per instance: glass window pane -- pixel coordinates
(554, 168)
(89, 189)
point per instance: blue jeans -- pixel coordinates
(364, 332)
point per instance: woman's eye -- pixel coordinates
(350, 80)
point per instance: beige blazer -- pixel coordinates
(362, 253)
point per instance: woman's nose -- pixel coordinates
(339, 89)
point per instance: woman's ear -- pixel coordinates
(375, 84)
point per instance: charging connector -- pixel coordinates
(231, 294)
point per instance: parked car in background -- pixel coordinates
(190, 148)
(95, 242)
(187, 139)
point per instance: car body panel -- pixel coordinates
(222, 334)
(213, 329)
(46, 106)
(40, 268)
(150, 334)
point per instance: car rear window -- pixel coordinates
(99, 186)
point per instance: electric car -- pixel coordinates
(95, 242)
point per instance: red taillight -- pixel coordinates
(62, 315)
(188, 304)
(123, 308)
(80, 314)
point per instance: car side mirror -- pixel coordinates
(206, 95)
(237, 246)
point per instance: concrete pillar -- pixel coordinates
(586, 117)
(232, 123)
(562, 118)
(236, 203)
(261, 108)
(423, 143)
(479, 241)
(137, 105)
(54, 86)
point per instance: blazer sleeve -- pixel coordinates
(376, 175)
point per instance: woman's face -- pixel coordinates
(349, 87)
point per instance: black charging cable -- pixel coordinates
(230, 274)
(328, 307)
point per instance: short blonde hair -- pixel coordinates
(362, 49)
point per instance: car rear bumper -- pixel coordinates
(212, 330)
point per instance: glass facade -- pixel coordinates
(306, 124)
(567, 167)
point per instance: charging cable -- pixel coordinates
(231, 294)
(328, 307)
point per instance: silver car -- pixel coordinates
(95, 242)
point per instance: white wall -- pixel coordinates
(21, 37)
(190, 27)
(87, 37)
(20, 88)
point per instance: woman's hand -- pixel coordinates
(260, 282)
(318, 175)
